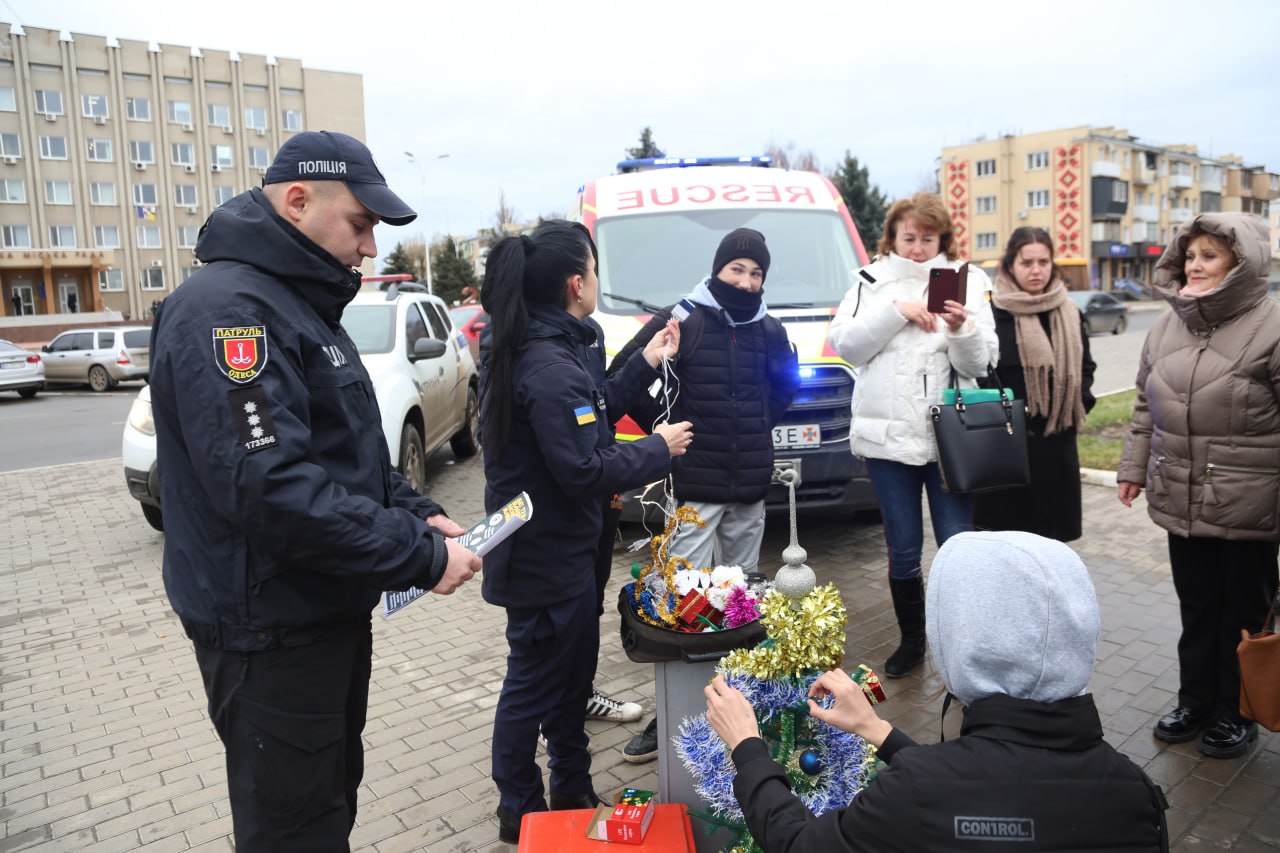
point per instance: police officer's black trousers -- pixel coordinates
(1223, 586)
(550, 665)
(290, 719)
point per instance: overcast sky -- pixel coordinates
(533, 99)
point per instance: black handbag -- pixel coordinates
(645, 643)
(982, 447)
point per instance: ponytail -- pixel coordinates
(520, 271)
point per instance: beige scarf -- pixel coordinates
(1052, 363)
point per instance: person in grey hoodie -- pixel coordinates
(1030, 764)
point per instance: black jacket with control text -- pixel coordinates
(1037, 774)
(282, 514)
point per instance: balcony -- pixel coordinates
(1146, 213)
(1178, 215)
(1180, 182)
(1104, 169)
(1211, 180)
(1144, 174)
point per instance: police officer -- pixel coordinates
(546, 429)
(284, 520)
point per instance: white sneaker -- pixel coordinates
(601, 707)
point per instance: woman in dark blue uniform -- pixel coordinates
(545, 429)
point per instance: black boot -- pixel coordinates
(908, 604)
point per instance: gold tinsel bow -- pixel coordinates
(805, 637)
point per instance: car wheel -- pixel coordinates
(412, 458)
(153, 516)
(464, 442)
(27, 393)
(1121, 325)
(99, 379)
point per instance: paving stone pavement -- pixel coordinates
(105, 744)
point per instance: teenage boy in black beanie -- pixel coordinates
(733, 378)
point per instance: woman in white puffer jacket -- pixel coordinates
(903, 355)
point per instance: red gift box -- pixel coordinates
(695, 605)
(870, 683)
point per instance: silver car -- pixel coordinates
(101, 357)
(20, 370)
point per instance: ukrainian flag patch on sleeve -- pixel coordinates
(582, 411)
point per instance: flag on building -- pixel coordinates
(146, 213)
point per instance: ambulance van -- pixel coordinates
(657, 225)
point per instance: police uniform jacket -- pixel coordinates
(1036, 773)
(282, 513)
(560, 450)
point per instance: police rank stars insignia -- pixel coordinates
(249, 411)
(240, 351)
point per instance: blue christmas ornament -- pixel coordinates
(811, 762)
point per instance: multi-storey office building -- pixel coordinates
(113, 154)
(1109, 200)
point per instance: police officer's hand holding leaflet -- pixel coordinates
(545, 417)
(284, 521)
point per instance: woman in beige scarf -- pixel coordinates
(1044, 359)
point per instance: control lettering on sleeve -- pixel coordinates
(249, 412)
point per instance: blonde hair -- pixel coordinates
(930, 213)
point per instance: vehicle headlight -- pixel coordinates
(140, 417)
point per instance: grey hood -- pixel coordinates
(1244, 286)
(1011, 614)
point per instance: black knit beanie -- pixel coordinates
(742, 243)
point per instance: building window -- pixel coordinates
(141, 151)
(184, 195)
(98, 150)
(102, 193)
(13, 191)
(219, 115)
(986, 240)
(182, 153)
(57, 192)
(153, 278)
(220, 155)
(1038, 199)
(16, 237)
(180, 112)
(148, 236)
(985, 168)
(984, 204)
(1037, 161)
(9, 145)
(144, 194)
(106, 236)
(187, 236)
(255, 118)
(1119, 192)
(53, 148)
(222, 195)
(49, 102)
(8, 103)
(254, 87)
(137, 109)
(110, 279)
(187, 272)
(291, 120)
(93, 106)
(62, 237)
(258, 157)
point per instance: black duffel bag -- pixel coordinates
(645, 643)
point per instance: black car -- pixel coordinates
(1102, 312)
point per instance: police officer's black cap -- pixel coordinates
(325, 155)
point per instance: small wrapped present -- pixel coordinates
(869, 682)
(694, 611)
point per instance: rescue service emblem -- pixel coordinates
(240, 351)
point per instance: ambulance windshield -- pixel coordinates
(658, 258)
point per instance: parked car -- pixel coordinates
(1102, 312)
(1130, 289)
(471, 319)
(423, 373)
(138, 449)
(20, 370)
(101, 357)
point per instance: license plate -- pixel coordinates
(797, 435)
(12, 365)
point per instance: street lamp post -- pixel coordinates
(422, 185)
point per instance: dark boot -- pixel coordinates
(908, 604)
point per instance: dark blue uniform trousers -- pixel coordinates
(550, 664)
(290, 719)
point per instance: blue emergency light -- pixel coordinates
(647, 163)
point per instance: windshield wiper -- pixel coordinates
(787, 305)
(639, 303)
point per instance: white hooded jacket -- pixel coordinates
(901, 369)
